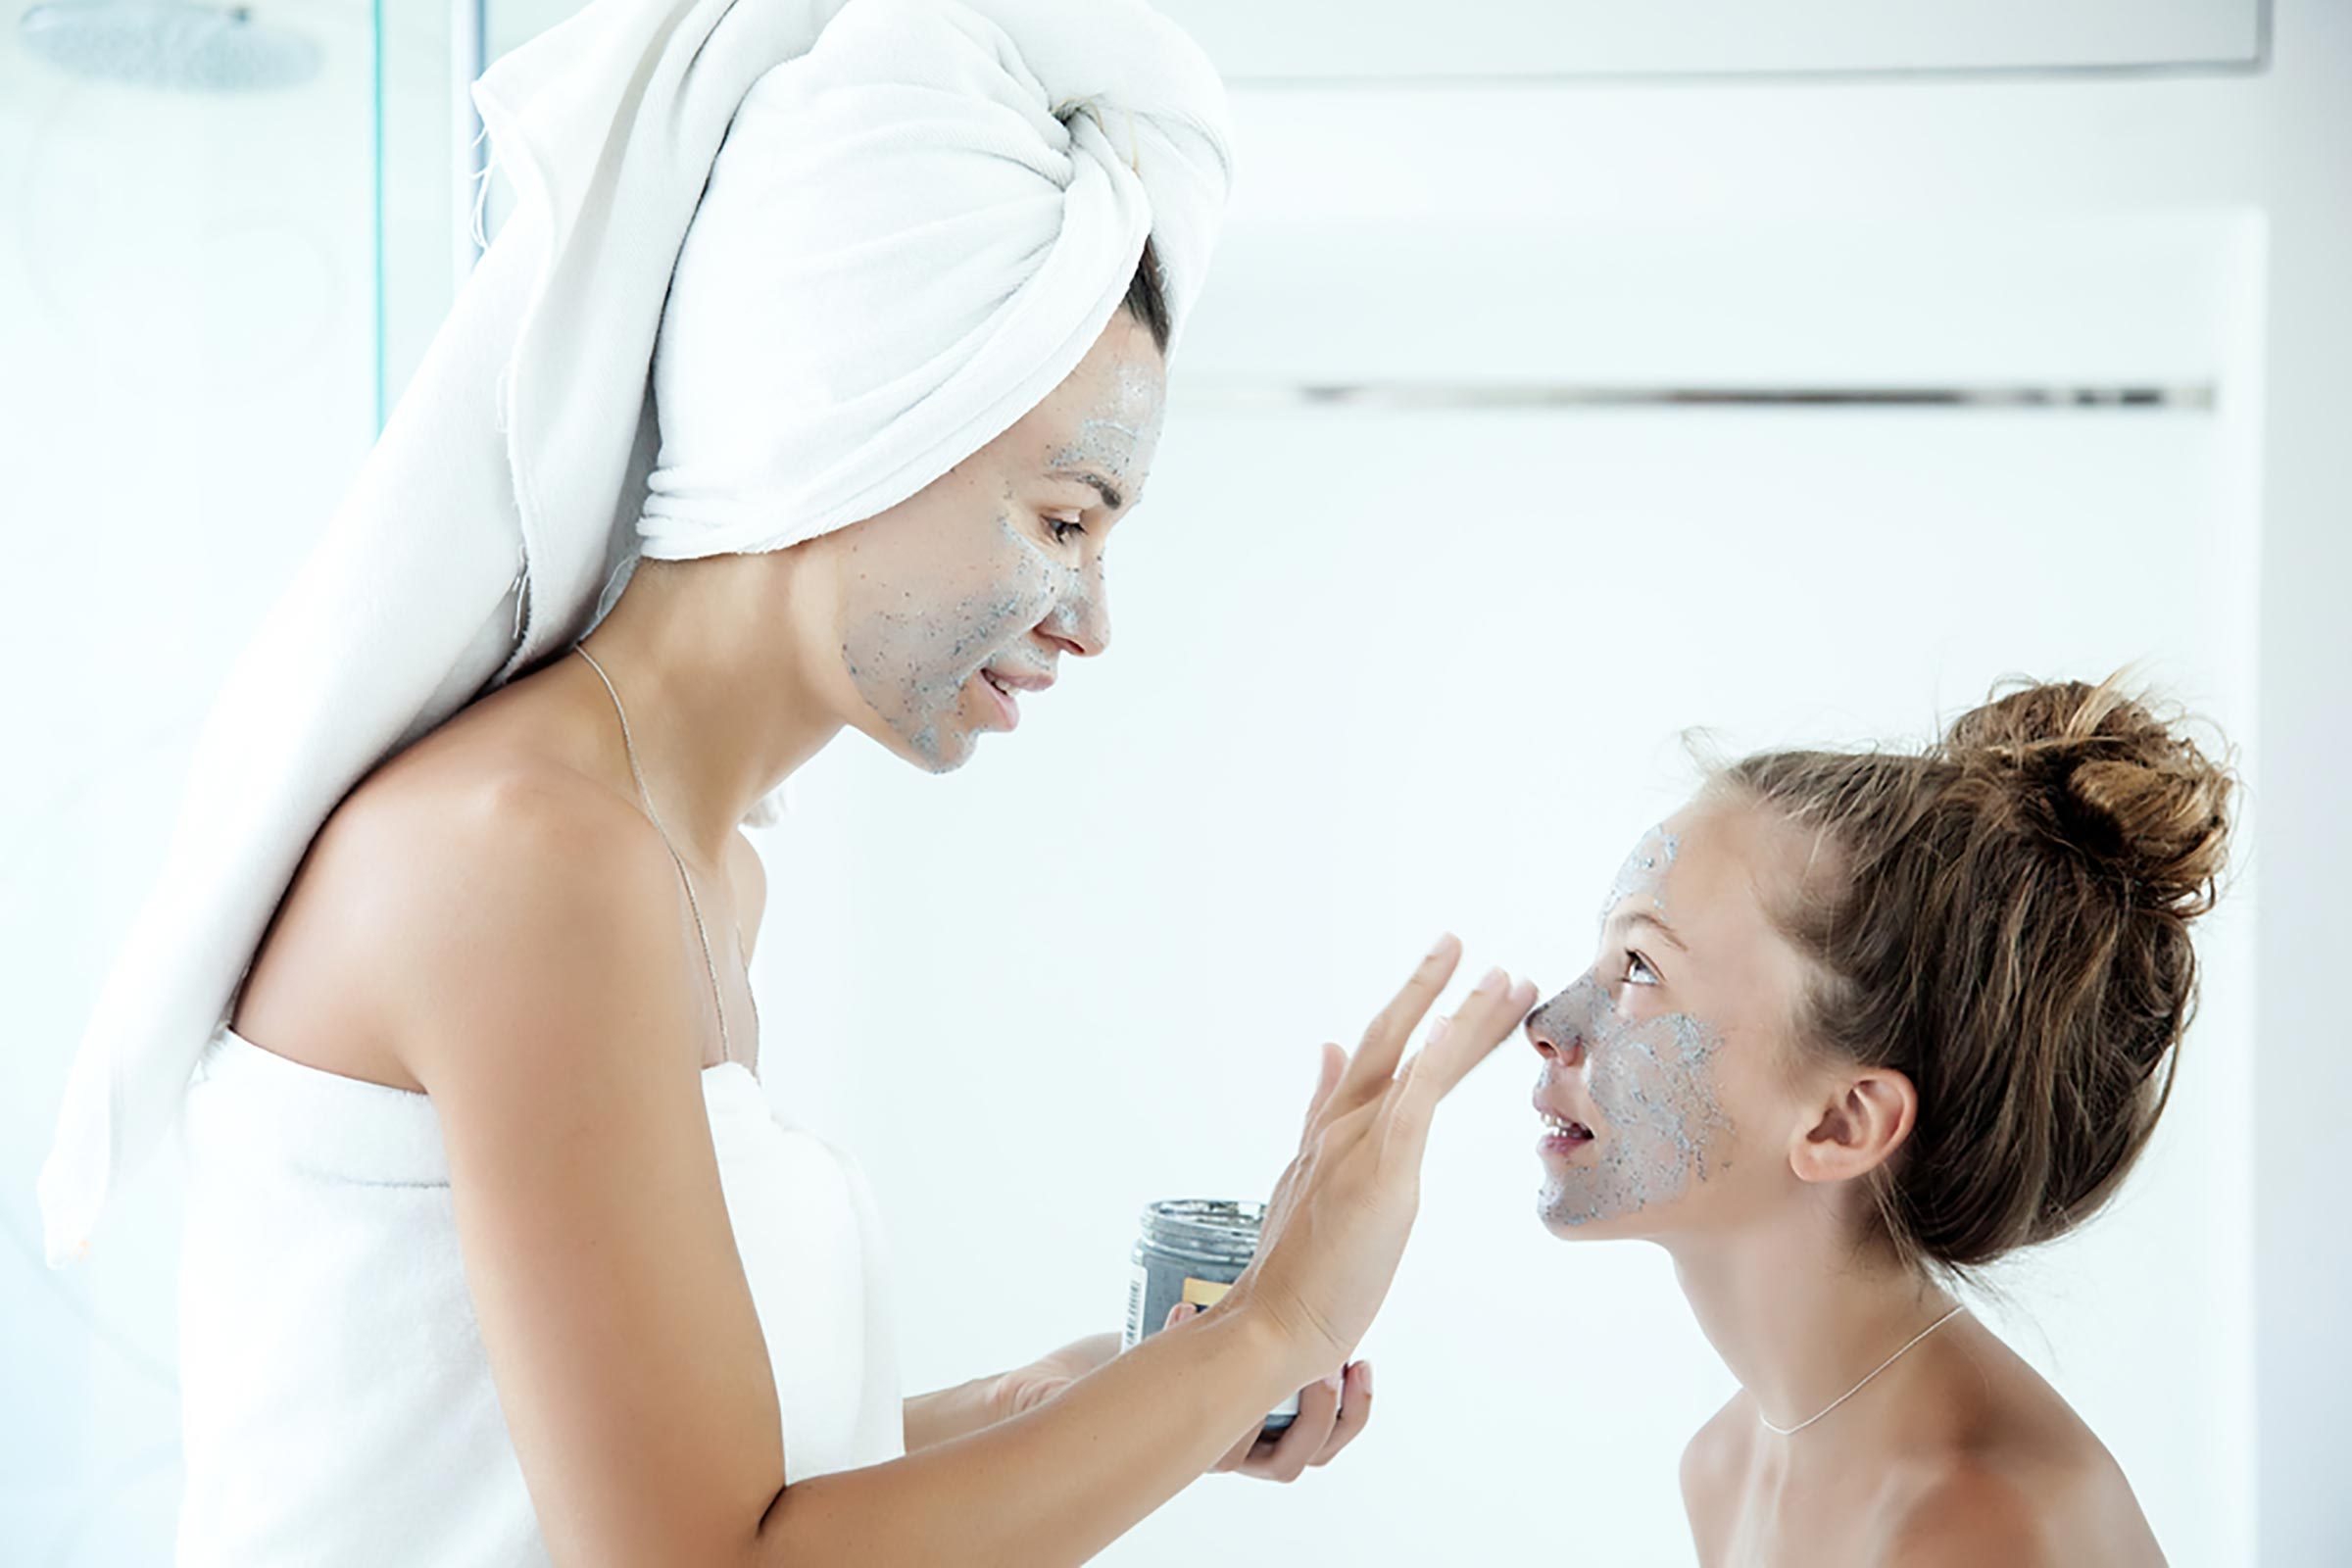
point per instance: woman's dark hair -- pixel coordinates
(2008, 926)
(1148, 300)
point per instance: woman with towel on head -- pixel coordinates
(849, 320)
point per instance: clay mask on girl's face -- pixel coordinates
(1648, 1100)
(971, 590)
(1633, 1083)
(1643, 874)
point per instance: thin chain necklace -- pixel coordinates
(1786, 1432)
(628, 743)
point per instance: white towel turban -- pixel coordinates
(894, 225)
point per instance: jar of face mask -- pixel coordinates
(1191, 1250)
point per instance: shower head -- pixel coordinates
(169, 43)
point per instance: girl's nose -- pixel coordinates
(1554, 1038)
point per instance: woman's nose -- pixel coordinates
(1083, 619)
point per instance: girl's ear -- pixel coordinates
(1864, 1117)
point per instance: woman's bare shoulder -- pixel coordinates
(503, 879)
(450, 874)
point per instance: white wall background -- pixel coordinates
(1377, 671)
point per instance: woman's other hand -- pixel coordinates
(1331, 1411)
(1025, 1388)
(1332, 1414)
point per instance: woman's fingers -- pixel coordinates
(1310, 1431)
(1334, 1063)
(1487, 1019)
(1374, 1064)
(1355, 1408)
(1271, 1458)
(1339, 1216)
(1256, 1445)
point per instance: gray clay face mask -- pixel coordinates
(1651, 1081)
(934, 609)
(913, 659)
(1118, 438)
(1643, 874)
(935, 604)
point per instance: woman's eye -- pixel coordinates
(1637, 971)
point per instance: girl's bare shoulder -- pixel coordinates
(2026, 1511)
(2028, 1483)
(1714, 1468)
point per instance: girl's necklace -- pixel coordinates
(1865, 1383)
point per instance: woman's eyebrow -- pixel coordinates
(1103, 487)
(1644, 917)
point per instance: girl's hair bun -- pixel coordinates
(2011, 930)
(2103, 774)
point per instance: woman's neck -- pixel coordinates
(705, 657)
(1798, 1313)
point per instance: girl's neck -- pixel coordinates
(1800, 1314)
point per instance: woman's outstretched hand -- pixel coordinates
(1338, 1223)
(1336, 1226)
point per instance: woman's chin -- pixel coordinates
(941, 744)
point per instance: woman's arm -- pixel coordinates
(950, 1414)
(546, 1001)
(957, 1412)
(1330, 1416)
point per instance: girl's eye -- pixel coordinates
(1064, 528)
(1637, 971)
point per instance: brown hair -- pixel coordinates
(1148, 299)
(2008, 926)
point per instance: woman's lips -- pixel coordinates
(1004, 684)
(1006, 705)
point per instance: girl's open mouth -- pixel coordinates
(1563, 1135)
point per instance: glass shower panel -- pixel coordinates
(189, 319)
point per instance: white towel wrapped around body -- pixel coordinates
(920, 215)
(338, 1404)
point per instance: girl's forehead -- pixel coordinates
(1642, 876)
(1724, 868)
(1738, 868)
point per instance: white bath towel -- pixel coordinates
(337, 1401)
(924, 213)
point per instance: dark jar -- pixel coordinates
(1192, 1250)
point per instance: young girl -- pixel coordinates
(1860, 1023)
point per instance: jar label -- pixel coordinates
(1138, 1287)
(1199, 1292)
(1204, 1293)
